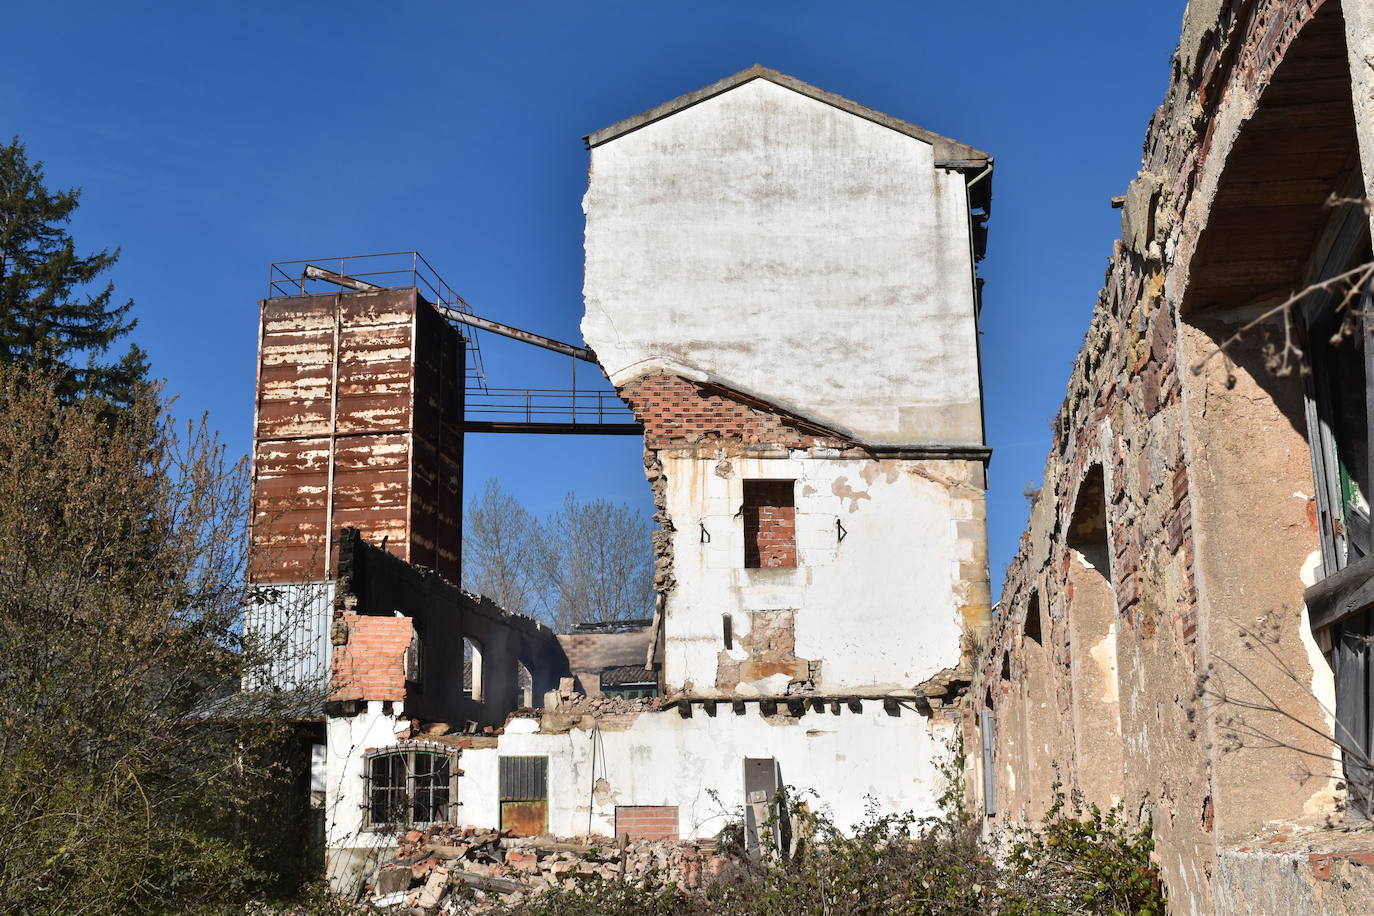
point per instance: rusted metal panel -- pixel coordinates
(359, 406)
(289, 509)
(525, 818)
(524, 792)
(389, 306)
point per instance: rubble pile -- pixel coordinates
(605, 705)
(450, 870)
(567, 706)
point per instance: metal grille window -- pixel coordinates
(631, 691)
(411, 786)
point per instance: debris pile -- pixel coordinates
(579, 704)
(451, 870)
(567, 707)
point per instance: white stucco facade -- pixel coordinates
(885, 552)
(351, 845)
(695, 764)
(796, 252)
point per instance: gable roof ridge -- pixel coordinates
(948, 153)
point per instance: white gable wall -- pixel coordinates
(769, 241)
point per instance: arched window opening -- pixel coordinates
(472, 669)
(411, 786)
(524, 686)
(1092, 642)
(1032, 627)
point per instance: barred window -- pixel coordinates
(411, 786)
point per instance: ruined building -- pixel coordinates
(1185, 628)
(781, 284)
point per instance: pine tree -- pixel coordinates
(46, 320)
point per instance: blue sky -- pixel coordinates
(212, 139)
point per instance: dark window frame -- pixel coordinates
(414, 768)
(637, 691)
(1341, 605)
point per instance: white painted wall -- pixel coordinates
(771, 242)
(349, 845)
(663, 759)
(881, 609)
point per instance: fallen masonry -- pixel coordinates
(469, 870)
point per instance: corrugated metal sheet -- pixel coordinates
(287, 626)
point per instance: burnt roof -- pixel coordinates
(948, 153)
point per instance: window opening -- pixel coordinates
(1032, 627)
(524, 685)
(407, 787)
(631, 691)
(1340, 360)
(472, 669)
(415, 658)
(1091, 614)
(770, 524)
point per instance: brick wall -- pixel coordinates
(770, 524)
(371, 665)
(676, 411)
(646, 822)
(1217, 450)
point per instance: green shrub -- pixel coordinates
(1076, 860)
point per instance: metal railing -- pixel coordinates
(389, 270)
(547, 405)
(547, 408)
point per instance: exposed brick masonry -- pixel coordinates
(678, 412)
(646, 822)
(371, 665)
(770, 524)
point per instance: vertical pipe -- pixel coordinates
(333, 439)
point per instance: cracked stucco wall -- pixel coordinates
(912, 531)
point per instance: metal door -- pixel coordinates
(525, 795)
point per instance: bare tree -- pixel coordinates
(501, 551)
(127, 782)
(597, 563)
(586, 561)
